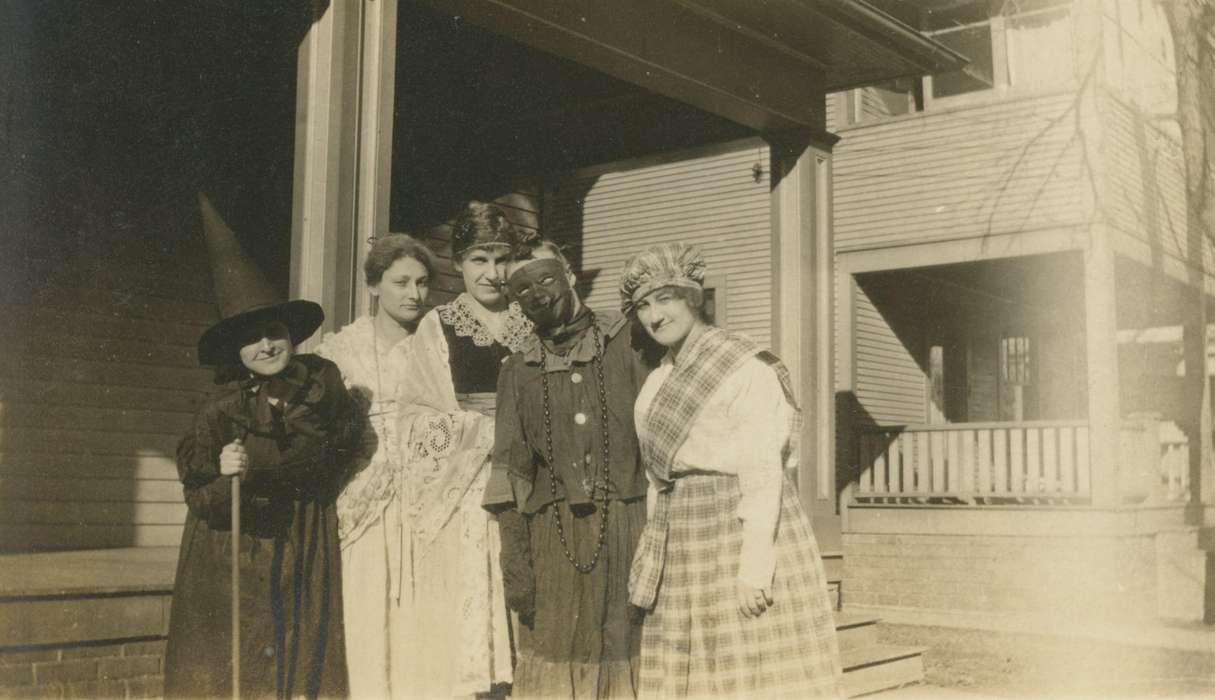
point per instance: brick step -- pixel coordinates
(869, 669)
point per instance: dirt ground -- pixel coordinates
(1039, 666)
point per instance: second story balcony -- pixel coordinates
(1058, 130)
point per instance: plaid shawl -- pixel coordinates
(702, 367)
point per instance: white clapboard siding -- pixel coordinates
(708, 197)
(890, 386)
(999, 168)
(98, 382)
(34, 537)
(1146, 177)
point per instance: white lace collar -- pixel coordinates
(472, 320)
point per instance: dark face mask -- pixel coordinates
(543, 292)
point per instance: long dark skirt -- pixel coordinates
(584, 641)
(292, 642)
(696, 643)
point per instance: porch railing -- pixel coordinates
(1155, 461)
(1037, 462)
(1028, 462)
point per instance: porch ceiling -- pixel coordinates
(855, 42)
(765, 64)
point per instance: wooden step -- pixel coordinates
(869, 669)
(833, 567)
(855, 630)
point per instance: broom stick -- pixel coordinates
(236, 586)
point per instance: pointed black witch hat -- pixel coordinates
(244, 296)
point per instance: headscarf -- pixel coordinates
(664, 265)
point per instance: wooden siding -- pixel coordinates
(98, 382)
(101, 381)
(836, 110)
(709, 198)
(1137, 60)
(875, 104)
(993, 169)
(1146, 180)
(890, 386)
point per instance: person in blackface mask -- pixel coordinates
(567, 486)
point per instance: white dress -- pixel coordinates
(370, 530)
(424, 605)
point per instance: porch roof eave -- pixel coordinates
(899, 49)
(764, 65)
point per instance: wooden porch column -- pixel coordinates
(802, 325)
(1101, 344)
(343, 151)
(1101, 322)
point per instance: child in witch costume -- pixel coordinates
(568, 488)
(284, 426)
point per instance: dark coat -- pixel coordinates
(577, 637)
(520, 447)
(292, 641)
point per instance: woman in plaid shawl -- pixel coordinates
(727, 567)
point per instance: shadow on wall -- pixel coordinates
(851, 418)
(118, 115)
(567, 204)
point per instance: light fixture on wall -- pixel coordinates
(757, 168)
(757, 172)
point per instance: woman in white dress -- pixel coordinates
(372, 355)
(462, 644)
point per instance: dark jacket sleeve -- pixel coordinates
(518, 577)
(343, 421)
(207, 494)
(512, 455)
(510, 451)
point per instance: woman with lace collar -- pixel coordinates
(447, 433)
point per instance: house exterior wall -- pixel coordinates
(118, 670)
(106, 285)
(1057, 168)
(1146, 199)
(983, 171)
(1098, 577)
(98, 387)
(891, 385)
(927, 342)
(1137, 54)
(706, 197)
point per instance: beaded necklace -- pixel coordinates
(590, 485)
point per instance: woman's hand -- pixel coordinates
(752, 602)
(233, 459)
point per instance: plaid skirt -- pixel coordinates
(696, 643)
